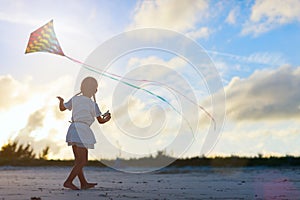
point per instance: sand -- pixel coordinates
(171, 183)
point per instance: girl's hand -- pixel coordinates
(107, 117)
(106, 114)
(61, 103)
(104, 118)
(60, 99)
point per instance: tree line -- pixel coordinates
(15, 151)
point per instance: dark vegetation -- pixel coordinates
(15, 154)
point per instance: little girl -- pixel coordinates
(80, 136)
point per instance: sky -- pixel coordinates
(251, 47)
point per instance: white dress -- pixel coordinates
(84, 112)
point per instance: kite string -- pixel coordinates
(134, 86)
(147, 81)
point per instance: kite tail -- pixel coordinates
(147, 81)
(110, 75)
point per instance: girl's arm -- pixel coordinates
(61, 104)
(104, 118)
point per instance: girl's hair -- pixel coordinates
(88, 86)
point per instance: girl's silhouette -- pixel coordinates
(80, 136)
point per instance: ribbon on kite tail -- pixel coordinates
(109, 75)
(113, 76)
(44, 40)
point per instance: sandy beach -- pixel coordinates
(170, 183)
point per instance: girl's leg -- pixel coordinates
(80, 160)
(80, 175)
(83, 182)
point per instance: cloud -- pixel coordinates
(231, 18)
(265, 58)
(265, 139)
(15, 92)
(35, 121)
(14, 13)
(39, 134)
(176, 15)
(21, 92)
(28, 112)
(57, 113)
(269, 14)
(265, 95)
(18, 19)
(173, 63)
(203, 32)
(134, 117)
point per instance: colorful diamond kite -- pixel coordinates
(44, 39)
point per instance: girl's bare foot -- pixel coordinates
(70, 186)
(88, 186)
